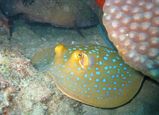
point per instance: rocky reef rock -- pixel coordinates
(61, 13)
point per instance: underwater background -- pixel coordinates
(26, 88)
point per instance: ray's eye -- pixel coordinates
(77, 55)
(80, 55)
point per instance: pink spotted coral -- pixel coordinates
(133, 27)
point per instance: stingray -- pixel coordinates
(92, 74)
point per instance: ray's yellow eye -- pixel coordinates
(80, 55)
(77, 55)
(81, 58)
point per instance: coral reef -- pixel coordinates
(133, 27)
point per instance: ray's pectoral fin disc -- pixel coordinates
(42, 59)
(94, 75)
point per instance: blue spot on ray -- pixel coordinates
(108, 72)
(77, 78)
(89, 68)
(110, 67)
(113, 76)
(97, 80)
(104, 80)
(104, 88)
(109, 88)
(106, 67)
(79, 69)
(90, 52)
(125, 68)
(105, 58)
(97, 72)
(85, 75)
(121, 64)
(91, 74)
(84, 85)
(113, 60)
(100, 62)
(96, 85)
(114, 82)
(114, 67)
(93, 51)
(114, 88)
